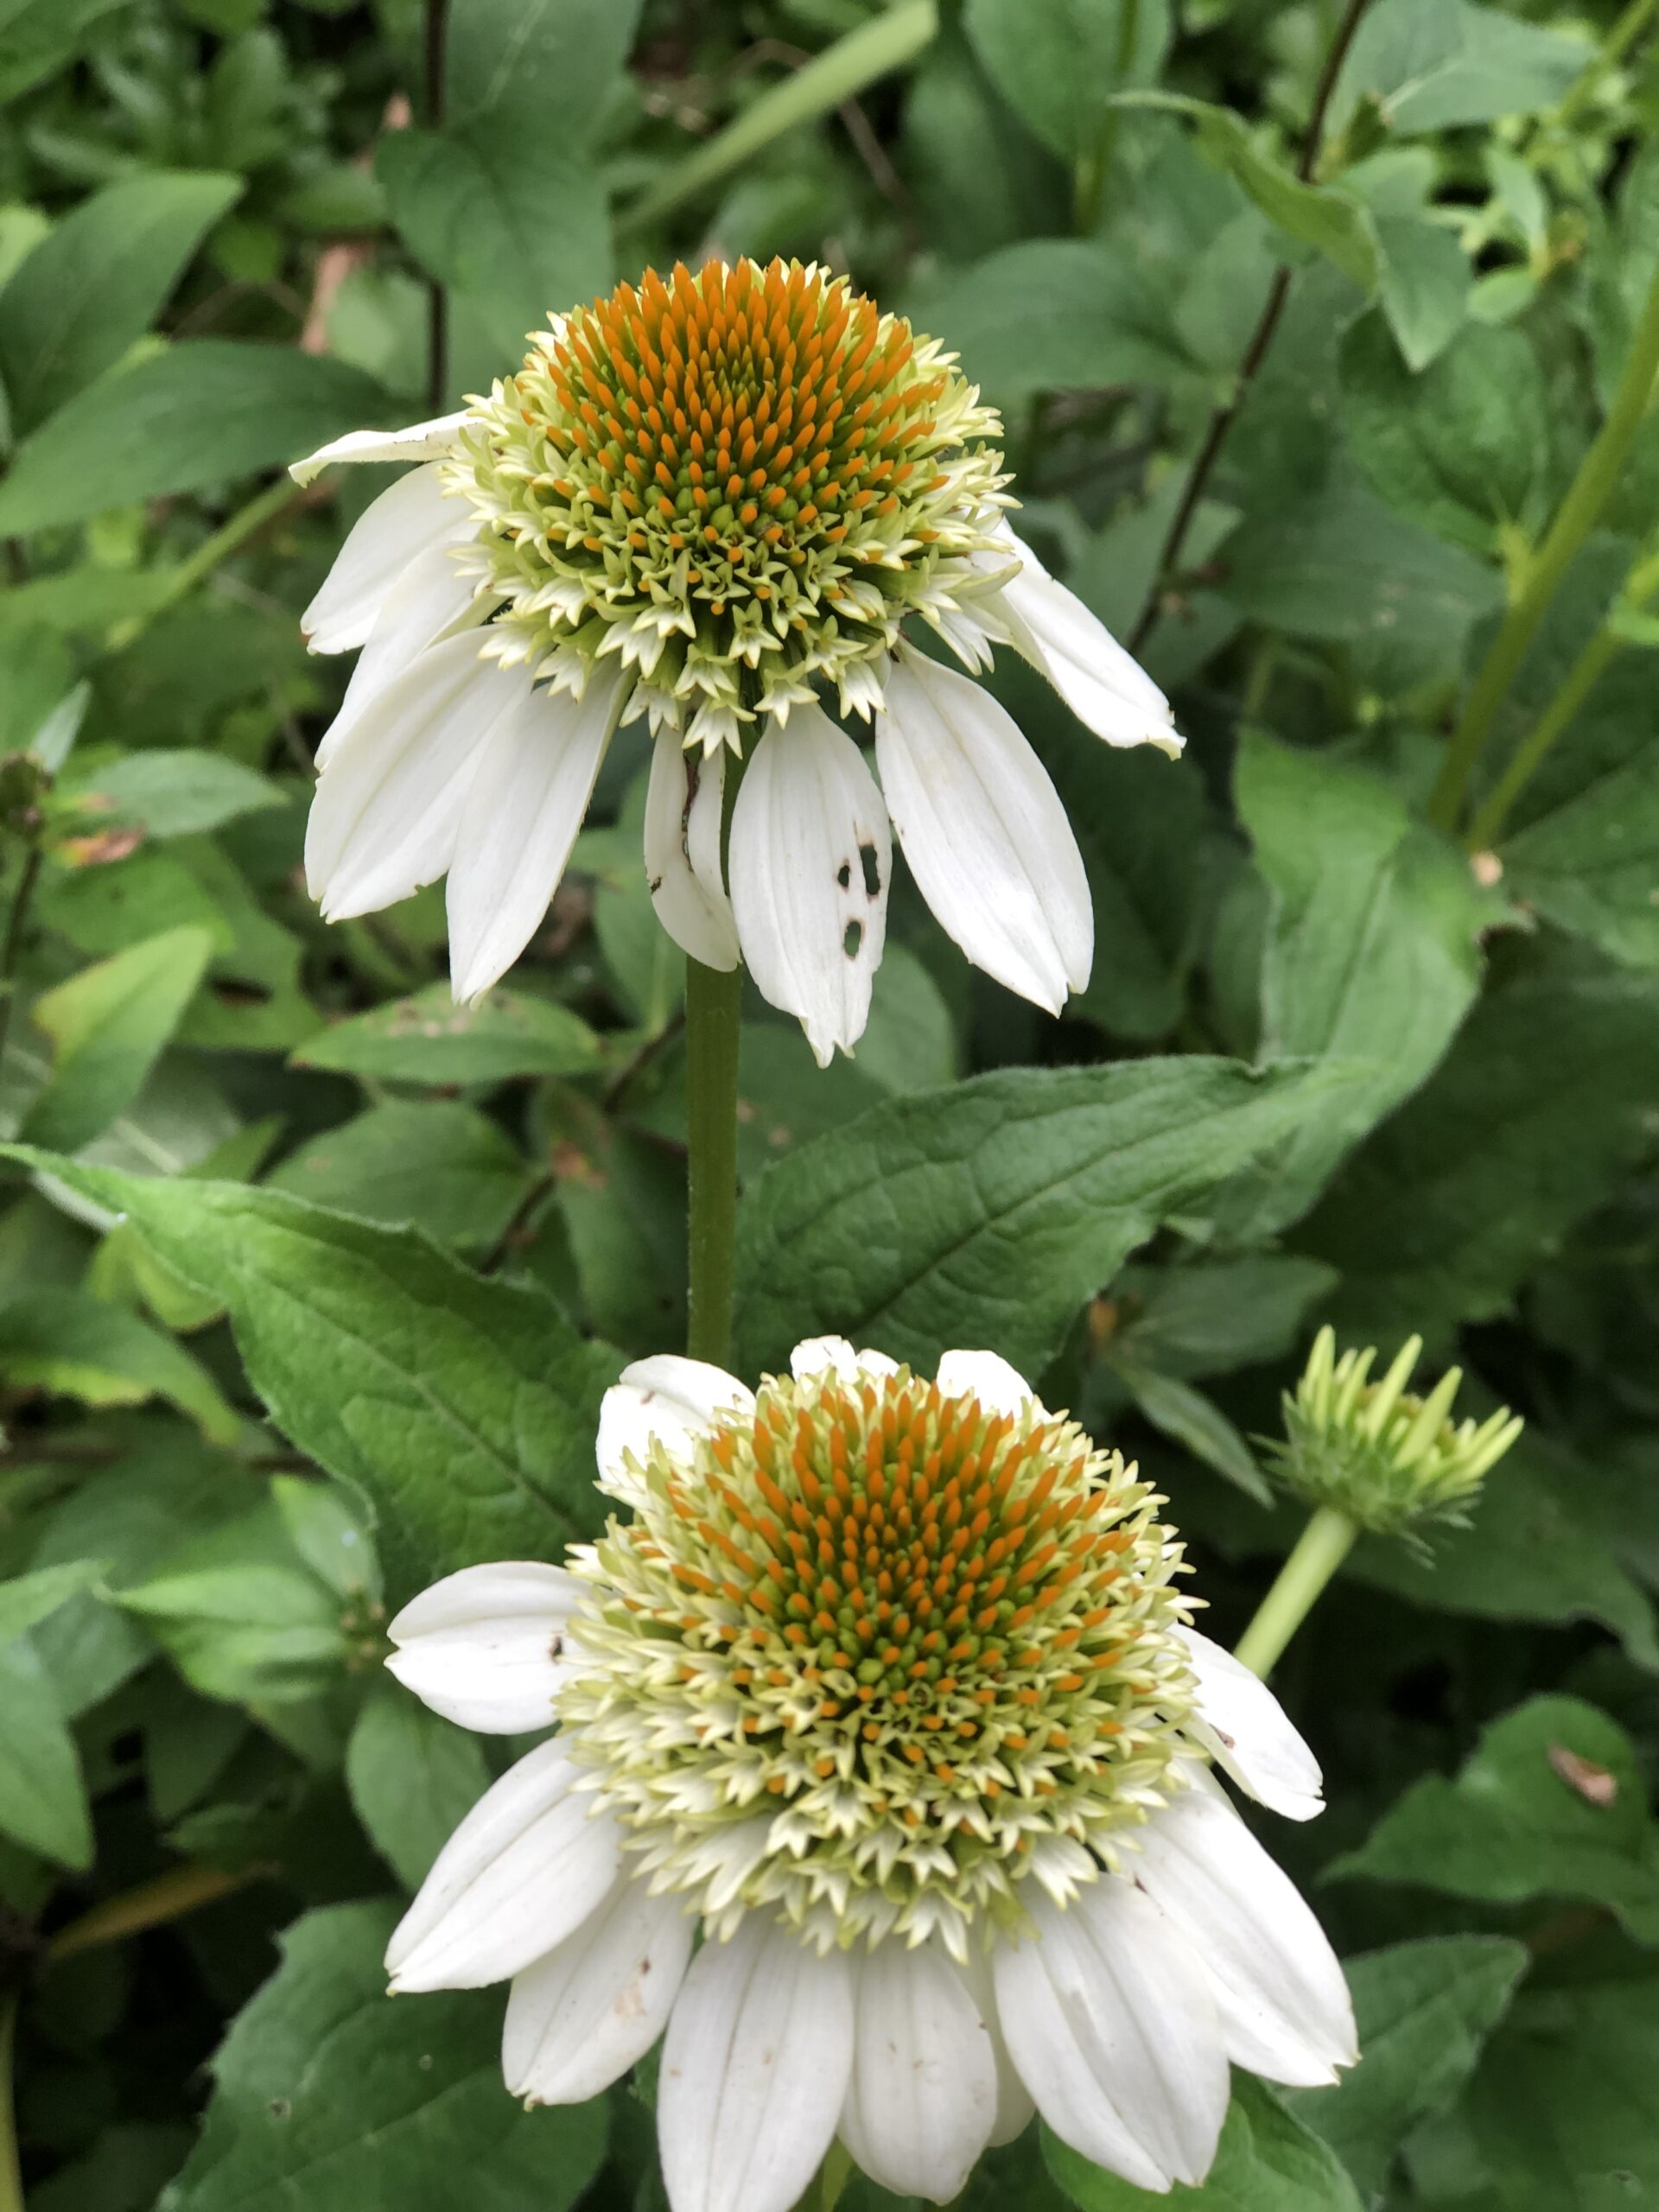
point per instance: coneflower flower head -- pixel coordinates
(1389, 1459)
(747, 470)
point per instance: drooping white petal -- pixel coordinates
(411, 518)
(808, 824)
(682, 808)
(923, 2099)
(1284, 2005)
(984, 832)
(1015, 2103)
(1110, 2018)
(485, 1647)
(420, 442)
(580, 2018)
(673, 1400)
(988, 1377)
(523, 807)
(1241, 1723)
(755, 2067)
(430, 598)
(387, 807)
(523, 1870)
(1105, 686)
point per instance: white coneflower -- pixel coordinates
(705, 500)
(885, 1684)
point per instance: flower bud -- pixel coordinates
(1374, 1450)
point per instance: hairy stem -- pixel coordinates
(1321, 1549)
(1226, 412)
(1575, 517)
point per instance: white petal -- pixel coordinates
(387, 807)
(673, 1400)
(428, 601)
(921, 2101)
(1015, 2102)
(523, 807)
(984, 832)
(813, 1354)
(682, 851)
(755, 2068)
(1105, 687)
(988, 1377)
(1241, 1723)
(410, 518)
(1110, 2019)
(807, 818)
(523, 1870)
(580, 2018)
(1284, 2005)
(485, 1647)
(420, 442)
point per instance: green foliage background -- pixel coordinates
(309, 1285)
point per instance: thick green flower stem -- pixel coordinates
(1321, 1549)
(1599, 472)
(713, 1003)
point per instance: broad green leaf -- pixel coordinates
(1551, 1803)
(1196, 1423)
(1053, 315)
(1266, 2161)
(1589, 863)
(1539, 1105)
(1424, 2011)
(439, 1164)
(98, 282)
(204, 409)
(1058, 62)
(1211, 1316)
(1371, 954)
(1463, 449)
(36, 673)
(328, 1537)
(326, 2093)
(987, 1214)
(42, 1795)
(173, 793)
(1436, 64)
(1424, 283)
(29, 1599)
(72, 1346)
(429, 1039)
(1563, 2109)
(108, 1025)
(39, 37)
(413, 1777)
(560, 61)
(908, 1043)
(1315, 215)
(463, 1411)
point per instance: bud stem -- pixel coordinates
(1321, 1549)
(713, 1002)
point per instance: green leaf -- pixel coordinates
(1196, 1423)
(98, 282)
(1445, 1209)
(74, 1346)
(40, 37)
(1424, 284)
(1438, 64)
(1314, 215)
(429, 1039)
(412, 1777)
(1053, 315)
(325, 2092)
(1551, 1803)
(202, 411)
(1424, 2011)
(1211, 1316)
(439, 1164)
(108, 1026)
(462, 1411)
(1058, 62)
(987, 1214)
(171, 792)
(1371, 955)
(42, 1795)
(1266, 2162)
(27, 1598)
(1589, 864)
(1463, 449)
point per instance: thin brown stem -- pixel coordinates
(1226, 412)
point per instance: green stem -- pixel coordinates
(1616, 44)
(180, 582)
(1599, 472)
(1321, 1549)
(713, 1004)
(11, 944)
(12, 2172)
(842, 71)
(1095, 165)
(1576, 687)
